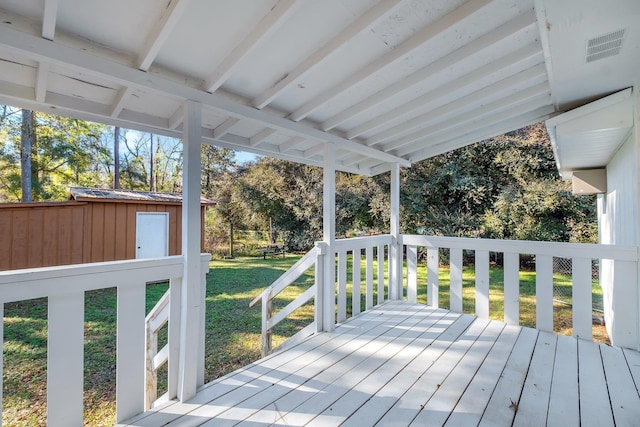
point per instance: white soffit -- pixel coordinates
(588, 137)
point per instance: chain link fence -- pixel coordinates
(562, 282)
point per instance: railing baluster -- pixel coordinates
(130, 348)
(455, 283)
(544, 293)
(175, 298)
(380, 254)
(581, 293)
(319, 301)
(369, 285)
(355, 289)
(266, 327)
(433, 264)
(65, 359)
(482, 284)
(342, 286)
(412, 274)
(512, 288)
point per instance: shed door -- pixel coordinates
(152, 234)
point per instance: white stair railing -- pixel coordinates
(348, 253)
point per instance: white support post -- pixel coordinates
(395, 248)
(192, 303)
(329, 236)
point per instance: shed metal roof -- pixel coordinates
(119, 195)
(386, 81)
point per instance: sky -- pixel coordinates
(243, 157)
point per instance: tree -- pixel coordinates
(68, 152)
(27, 144)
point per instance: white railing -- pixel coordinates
(543, 253)
(65, 287)
(347, 253)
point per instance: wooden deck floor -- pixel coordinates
(403, 364)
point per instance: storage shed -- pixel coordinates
(94, 225)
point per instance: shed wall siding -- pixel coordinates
(34, 235)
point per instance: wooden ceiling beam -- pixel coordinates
(478, 125)
(486, 41)
(420, 38)
(160, 33)
(363, 22)
(491, 131)
(461, 105)
(267, 26)
(516, 60)
(39, 49)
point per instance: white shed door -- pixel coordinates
(152, 234)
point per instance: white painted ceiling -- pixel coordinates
(386, 81)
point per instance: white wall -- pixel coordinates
(619, 221)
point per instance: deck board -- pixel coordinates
(403, 363)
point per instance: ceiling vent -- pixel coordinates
(605, 46)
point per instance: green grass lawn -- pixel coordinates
(232, 330)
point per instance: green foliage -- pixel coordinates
(507, 187)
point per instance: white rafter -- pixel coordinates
(474, 125)
(49, 19)
(42, 76)
(225, 127)
(258, 138)
(512, 60)
(62, 55)
(363, 22)
(420, 38)
(176, 118)
(486, 41)
(269, 24)
(463, 104)
(490, 131)
(314, 151)
(291, 144)
(531, 98)
(118, 104)
(161, 33)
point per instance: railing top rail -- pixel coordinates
(17, 285)
(558, 249)
(288, 277)
(362, 242)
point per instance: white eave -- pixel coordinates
(588, 137)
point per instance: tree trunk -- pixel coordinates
(231, 240)
(151, 183)
(116, 158)
(27, 137)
